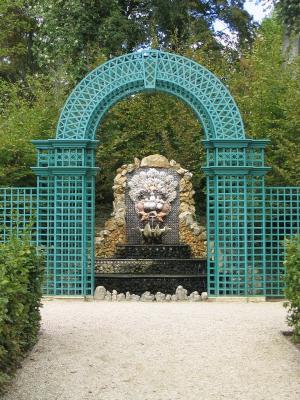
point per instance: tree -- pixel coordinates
(75, 33)
(268, 95)
(17, 28)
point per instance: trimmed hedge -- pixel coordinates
(21, 275)
(292, 281)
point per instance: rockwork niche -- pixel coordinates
(190, 232)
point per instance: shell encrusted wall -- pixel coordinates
(190, 231)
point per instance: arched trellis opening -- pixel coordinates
(235, 174)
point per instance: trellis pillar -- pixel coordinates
(236, 217)
(66, 190)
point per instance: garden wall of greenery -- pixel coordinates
(21, 277)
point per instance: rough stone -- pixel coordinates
(168, 297)
(130, 167)
(203, 235)
(98, 239)
(135, 297)
(127, 296)
(155, 160)
(181, 171)
(195, 296)
(196, 230)
(186, 217)
(160, 297)
(100, 293)
(121, 297)
(204, 296)
(108, 296)
(188, 176)
(114, 296)
(174, 297)
(137, 162)
(181, 293)
(147, 296)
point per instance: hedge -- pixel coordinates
(292, 282)
(21, 275)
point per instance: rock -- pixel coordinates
(160, 297)
(186, 217)
(108, 296)
(121, 297)
(204, 296)
(130, 167)
(114, 295)
(120, 179)
(196, 228)
(98, 240)
(100, 293)
(203, 235)
(174, 297)
(110, 225)
(168, 297)
(181, 171)
(147, 296)
(137, 162)
(127, 296)
(120, 221)
(117, 177)
(184, 206)
(155, 160)
(181, 293)
(188, 176)
(195, 296)
(173, 163)
(135, 297)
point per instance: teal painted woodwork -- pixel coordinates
(18, 211)
(148, 71)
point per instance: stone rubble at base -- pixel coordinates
(180, 295)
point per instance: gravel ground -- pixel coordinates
(145, 351)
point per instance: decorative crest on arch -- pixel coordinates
(150, 70)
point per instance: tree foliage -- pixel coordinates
(292, 281)
(47, 46)
(267, 91)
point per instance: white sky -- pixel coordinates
(258, 11)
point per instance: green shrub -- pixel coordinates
(21, 274)
(292, 281)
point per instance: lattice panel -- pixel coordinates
(65, 230)
(282, 222)
(150, 70)
(235, 235)
(17, 211)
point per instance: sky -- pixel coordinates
(257, 10)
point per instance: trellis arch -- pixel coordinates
(234, 168)
(148, 71)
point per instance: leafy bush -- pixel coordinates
(292, 280)
(21, 274)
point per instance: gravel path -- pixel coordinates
(145, 351)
